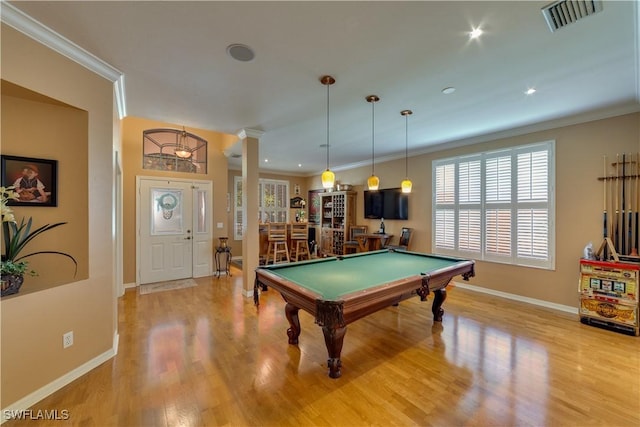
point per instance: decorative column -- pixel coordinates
(250, 233)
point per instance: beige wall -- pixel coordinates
(132, 128)
(55, 132)
(33, 322)
(579, 162)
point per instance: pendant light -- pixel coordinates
(182, 149)
(373, 182)
(406, 182)
(328, 177)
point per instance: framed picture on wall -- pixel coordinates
(314, 206)
(35, 180)
(296, 203)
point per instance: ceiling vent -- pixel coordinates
(559, 14)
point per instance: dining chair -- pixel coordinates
(404, 241)
(352, 244)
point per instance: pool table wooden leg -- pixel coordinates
(439, 296)
(333, 338)
(291, 311)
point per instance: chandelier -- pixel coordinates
(182, 147)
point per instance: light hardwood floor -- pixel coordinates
(206, 356)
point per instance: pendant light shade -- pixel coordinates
(406, 185)
(373, 182)
(328, 177)
(406, 182)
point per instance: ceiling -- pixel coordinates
(173, 55)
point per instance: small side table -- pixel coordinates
(223, 250)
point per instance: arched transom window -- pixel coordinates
(174, 150)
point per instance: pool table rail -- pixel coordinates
(292, 293)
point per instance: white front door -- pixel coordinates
(174, 221)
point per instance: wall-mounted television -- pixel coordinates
(389, 203)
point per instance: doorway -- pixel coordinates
(174, 229)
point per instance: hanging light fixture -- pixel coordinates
(328, 177)
(182, 149)
(373, 182)
(406, 182)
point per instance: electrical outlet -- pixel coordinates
(67, 339)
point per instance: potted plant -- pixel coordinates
(13, 265)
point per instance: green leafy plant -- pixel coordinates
(19, 268)
(17, 237)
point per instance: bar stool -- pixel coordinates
(300, 240)
(277, 237)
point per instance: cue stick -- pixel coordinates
(612, 209)
(629, 213)
(604, 212)
(634, 206)
(623, 217)
(615, 207)
(619, 205)
(637, 204)
(629, 207)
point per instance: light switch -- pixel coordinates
(219, 225)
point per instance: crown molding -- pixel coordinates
(249, 133)
(44, 35)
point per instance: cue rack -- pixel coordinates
(621, 208)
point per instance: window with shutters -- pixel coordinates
(238, 211)
(496, 206)
(273, 203)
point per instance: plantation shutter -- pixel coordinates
(470, 211)
(445, 196)
(273, 203)
(533, 214)
(238, 211)
(496, 206)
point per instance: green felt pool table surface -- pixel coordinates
(332, 278)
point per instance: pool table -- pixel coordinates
(340, 290)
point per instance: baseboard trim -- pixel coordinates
(514, 297)
(33, 398)
(129, 285)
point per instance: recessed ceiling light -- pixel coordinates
(266, 160)
(299, 165)
(240, 52)
(530, 91)
(475, 33)
(448, 90)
